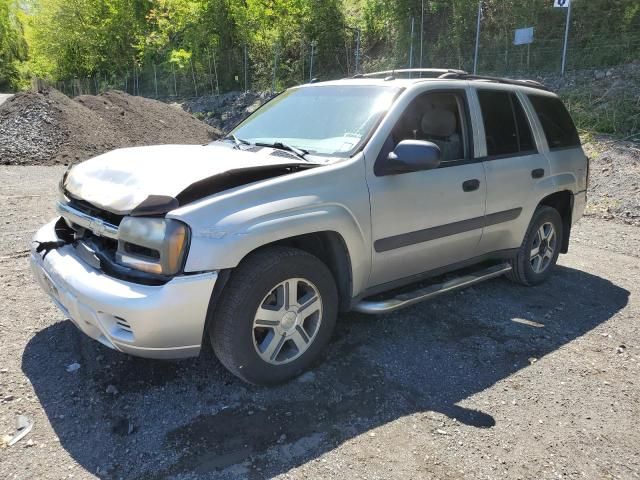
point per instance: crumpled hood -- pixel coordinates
(121, 180)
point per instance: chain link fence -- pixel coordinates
(278, 66)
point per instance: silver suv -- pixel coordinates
(357, 194)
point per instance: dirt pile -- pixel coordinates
(48, 127)
(227, 110)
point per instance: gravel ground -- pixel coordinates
(496, 381)
(614, 184)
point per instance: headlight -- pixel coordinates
(152, 245)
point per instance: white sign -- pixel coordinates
(561, 3)
(524, 36)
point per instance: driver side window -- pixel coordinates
(436, 117)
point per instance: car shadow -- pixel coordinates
(124, 417)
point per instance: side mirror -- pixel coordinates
(412, 156)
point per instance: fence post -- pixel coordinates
(193, 74)
(313, 47)
(421, 30)
(246, 62)
(475, 56)
(566, 38)
(215, 71)
(155, 79)
(275, 68)
(175, 83)
(411, 46)
(210, 75)
(358, 51)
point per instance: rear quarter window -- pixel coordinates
(556, 122)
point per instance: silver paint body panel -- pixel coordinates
(343, 196)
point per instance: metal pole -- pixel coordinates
(313, 46)
(411, 45)
(358, 51)
(275, 68)
(475, 57)
(246, 60)
(210, 76)
(193, 74)
(421, 31)
(215, 71)
(155, 79)
(566, 38)
(175, 83)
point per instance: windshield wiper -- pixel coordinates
(236, 140)
(299, 152)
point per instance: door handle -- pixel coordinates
(537, 173)
(471, 185)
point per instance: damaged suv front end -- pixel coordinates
(149, 240)
(113, 261)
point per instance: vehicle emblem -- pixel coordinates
(97, 226)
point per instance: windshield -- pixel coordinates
(323, 120)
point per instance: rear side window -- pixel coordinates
(556, 122)
(507, 130)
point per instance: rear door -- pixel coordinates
(513, 164)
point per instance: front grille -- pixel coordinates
(93, 211)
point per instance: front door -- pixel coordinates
(429, 219)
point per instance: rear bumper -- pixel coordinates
(165, 321)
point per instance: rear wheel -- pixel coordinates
(540, 248)
(275, 315)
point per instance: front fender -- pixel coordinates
(258, 226)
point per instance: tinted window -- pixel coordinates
(499, 125)
(507, 130)
(525, 137)
(556, 122)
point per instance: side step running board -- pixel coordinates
(431, 291)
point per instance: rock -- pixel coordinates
(441, 432)
(112, 389)
(308, 377)
(599, 74)
(74, 367)
(282, 438)
(123, 426)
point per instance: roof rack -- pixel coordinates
(419, 73)
(447, 73)
(506, 81)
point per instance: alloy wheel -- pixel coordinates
(543, 247)
(287, 321)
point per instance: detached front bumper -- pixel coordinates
(165, 321)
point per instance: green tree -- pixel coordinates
(13, 48)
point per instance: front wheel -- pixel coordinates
(275, 315)
(540, 248)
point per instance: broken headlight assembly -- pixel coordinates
(152, 245)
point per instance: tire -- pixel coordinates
(529, 269)
(264, 333)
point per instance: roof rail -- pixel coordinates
(507, 81)
(420, 73)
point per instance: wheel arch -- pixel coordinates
(562, 202)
